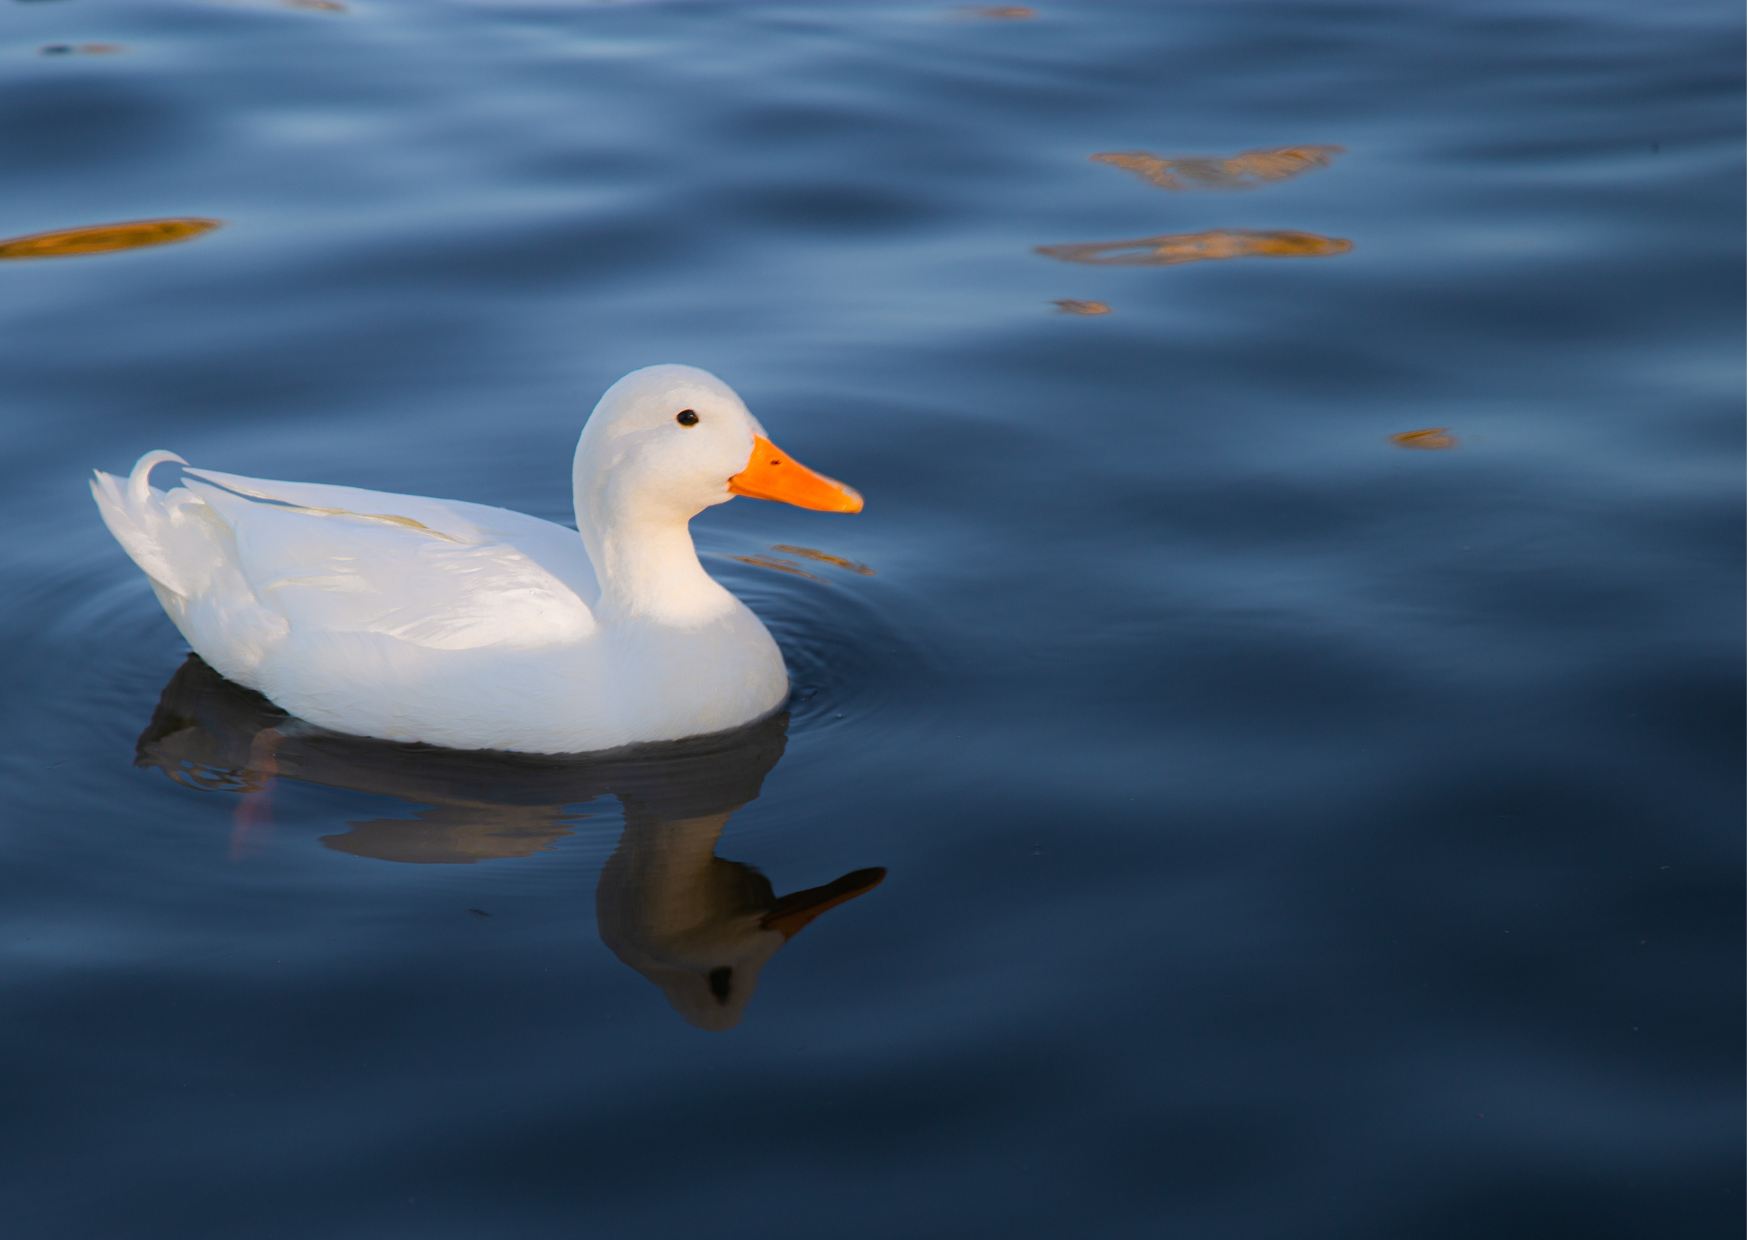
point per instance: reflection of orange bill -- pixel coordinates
(1245, 170)
(105, 238)
(1169, 249)
(790, 915)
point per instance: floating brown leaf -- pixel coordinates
(1002, 12)
(1169, 249)
(1246, 170)
(1432, 439)
(1071, 305)
(105, 238)
(825, 557)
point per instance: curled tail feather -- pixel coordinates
(189, 554)
(138, 517)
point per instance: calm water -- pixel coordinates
(1288, 829)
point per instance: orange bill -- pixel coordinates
(790, 915)
(772, 474)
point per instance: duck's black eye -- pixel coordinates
(687, 417)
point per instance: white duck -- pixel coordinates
(472, 627)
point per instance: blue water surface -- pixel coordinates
(1274, 737)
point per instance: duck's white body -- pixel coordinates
(473, 627)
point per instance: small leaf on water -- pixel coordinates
(1170, 249)
(775, 564)
(1246, 170)
(105, 238)
(825, 557)
(1433, 438)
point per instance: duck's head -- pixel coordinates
(679, 439)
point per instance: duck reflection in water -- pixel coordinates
(700, 927)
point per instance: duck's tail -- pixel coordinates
(140, 517)
(189, 554)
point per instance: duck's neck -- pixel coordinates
(670, 857)
(642, 551)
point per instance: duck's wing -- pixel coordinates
(438, 574)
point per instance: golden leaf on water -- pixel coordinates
(825, 557)
(1002, 12)
(1432, 439)
(1169, 249)
(1072, 305)
(105, 238)
(1246, 170)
